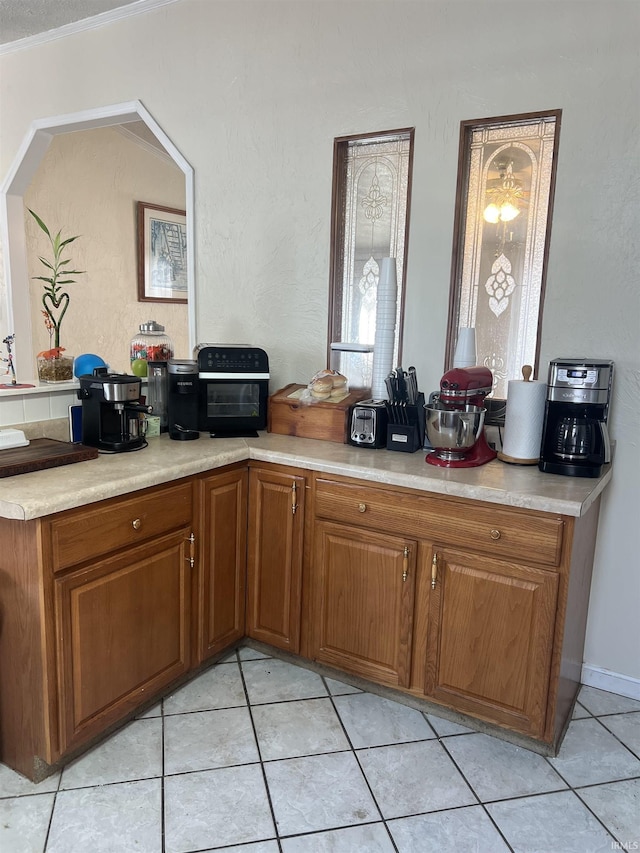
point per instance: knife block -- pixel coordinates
(406, 437)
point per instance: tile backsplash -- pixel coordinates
(34, 405)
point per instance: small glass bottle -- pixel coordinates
(150, 344)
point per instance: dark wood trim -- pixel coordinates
(547, 240)
(458, 220)
(403, 292)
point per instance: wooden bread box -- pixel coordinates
(323, 420)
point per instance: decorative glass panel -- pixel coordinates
(370, 222)
(503, 220)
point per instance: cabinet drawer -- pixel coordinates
(514, 534)
(84, 534)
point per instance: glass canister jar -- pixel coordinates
(150, 344)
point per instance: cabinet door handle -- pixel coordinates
(294, 498)
(495, 534)
(434, 570)
(136, 524)
(405, 564)
(362, 507)
(191, 559)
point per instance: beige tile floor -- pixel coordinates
(260, 756)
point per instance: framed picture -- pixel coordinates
(162, 254)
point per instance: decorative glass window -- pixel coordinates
(370, 221)
(502, 226)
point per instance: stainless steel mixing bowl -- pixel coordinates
(452, 431)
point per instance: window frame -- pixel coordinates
(338, 206)
(467, 127)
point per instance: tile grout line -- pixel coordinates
(355, 755)
(613, 734)
(163, 824)
(261, 762)
(475, 794)
(53, 806)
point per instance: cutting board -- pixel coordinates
(43, 453)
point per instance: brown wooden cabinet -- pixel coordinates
(222, 525)
(362, 599)
(105, 606)
(122, 601)
(491, 632)
(493, 620)
(123, 627)
(275, 555)
(473, 606)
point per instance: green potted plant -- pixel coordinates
(53, 366)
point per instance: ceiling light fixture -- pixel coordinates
(504, 199)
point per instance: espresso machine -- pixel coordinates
(575, 439)
(111, 411)
(455, 419)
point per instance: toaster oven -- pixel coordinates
(233, 389)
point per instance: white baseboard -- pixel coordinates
(613, 682)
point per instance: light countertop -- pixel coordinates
(28, 496)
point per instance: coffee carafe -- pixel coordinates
(112, 411)
(575, 439)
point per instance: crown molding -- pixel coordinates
(122, 12)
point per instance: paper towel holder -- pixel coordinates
(527, 370)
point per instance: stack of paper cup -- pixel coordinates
(385, 336)
(465, 353)
(523, 420)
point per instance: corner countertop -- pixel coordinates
(29, 496)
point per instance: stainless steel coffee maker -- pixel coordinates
(575, 439)
(111, 411)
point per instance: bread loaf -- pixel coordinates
(327, 384)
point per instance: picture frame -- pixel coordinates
(162, 253)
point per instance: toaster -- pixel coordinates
(367, 424)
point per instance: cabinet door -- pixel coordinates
(274, 558)
(363, 598)
(123, 629)
(223, 560)
(491, 627)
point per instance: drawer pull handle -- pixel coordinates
(495, 534)
(434, 570)
(136, 524)
(294, 498)
(362, 507)
(405, 564)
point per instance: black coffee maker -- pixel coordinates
(112, 411)
(575, 439)
(183, 399)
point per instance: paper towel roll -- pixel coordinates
(523, 422)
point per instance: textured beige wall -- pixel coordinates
(253, 94)
(88, 184)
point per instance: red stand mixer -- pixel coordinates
(455, 422)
